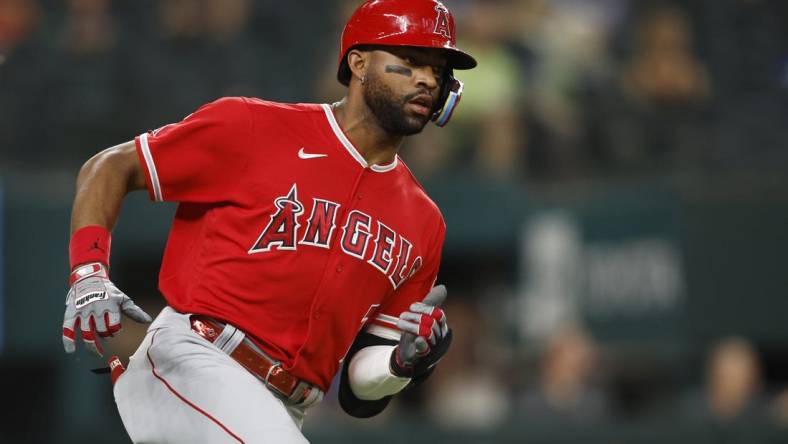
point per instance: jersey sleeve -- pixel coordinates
(200, 158)
(384, 322)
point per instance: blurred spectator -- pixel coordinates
(564, 47)
(18, 19)
(233, 48)
(294, 42)
(485, 131)
(178, 76)
(84, 115)
(227, 19)
(89, 28)
(656, 118)
(779, 409)
(745, 43)
(663, 71)
(179, 19)
(732, 389)
(326, 87)
(566, 391)
(468, 389)
(25, 70)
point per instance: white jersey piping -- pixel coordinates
(383, 332)
(352, 149)
(154, 177)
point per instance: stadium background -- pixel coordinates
(614, 186)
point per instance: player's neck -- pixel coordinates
(378, 146)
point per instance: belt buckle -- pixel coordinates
(203, 329)
(274, 370)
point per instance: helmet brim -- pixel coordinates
(457, 59)
(460, 59)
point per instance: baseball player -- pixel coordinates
(302, 244)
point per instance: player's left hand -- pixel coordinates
(425, 335)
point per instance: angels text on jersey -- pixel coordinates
(361, 233)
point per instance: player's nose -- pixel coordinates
(426, 77)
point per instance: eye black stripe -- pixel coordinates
(401, 70)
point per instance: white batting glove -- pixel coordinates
(94, 305)
(425, 334)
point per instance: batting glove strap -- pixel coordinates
(88, 270)
(398, 367)
(423, 364)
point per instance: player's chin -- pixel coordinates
(416, 120)
(414, 126)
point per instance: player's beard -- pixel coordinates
(389, 110)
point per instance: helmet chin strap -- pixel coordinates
(448, 100)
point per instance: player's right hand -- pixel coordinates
(93, 306)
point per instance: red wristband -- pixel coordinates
(89, 244)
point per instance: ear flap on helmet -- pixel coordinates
(451, 92)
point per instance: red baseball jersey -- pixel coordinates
(286, 232)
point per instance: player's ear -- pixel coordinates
(358, 61)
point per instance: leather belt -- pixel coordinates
(235, 343)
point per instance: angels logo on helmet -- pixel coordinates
(442, 22)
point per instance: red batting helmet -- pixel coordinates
(420, 23)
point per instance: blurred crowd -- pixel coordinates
(565, 90)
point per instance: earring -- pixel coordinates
(363, 79)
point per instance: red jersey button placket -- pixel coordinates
(336, 253)
(351, 204)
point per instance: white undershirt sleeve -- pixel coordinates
(370, 376)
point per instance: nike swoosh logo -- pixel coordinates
(304, 155)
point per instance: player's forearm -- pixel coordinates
(103, 182)
(370, 375)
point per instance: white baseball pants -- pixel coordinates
(180, 388)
